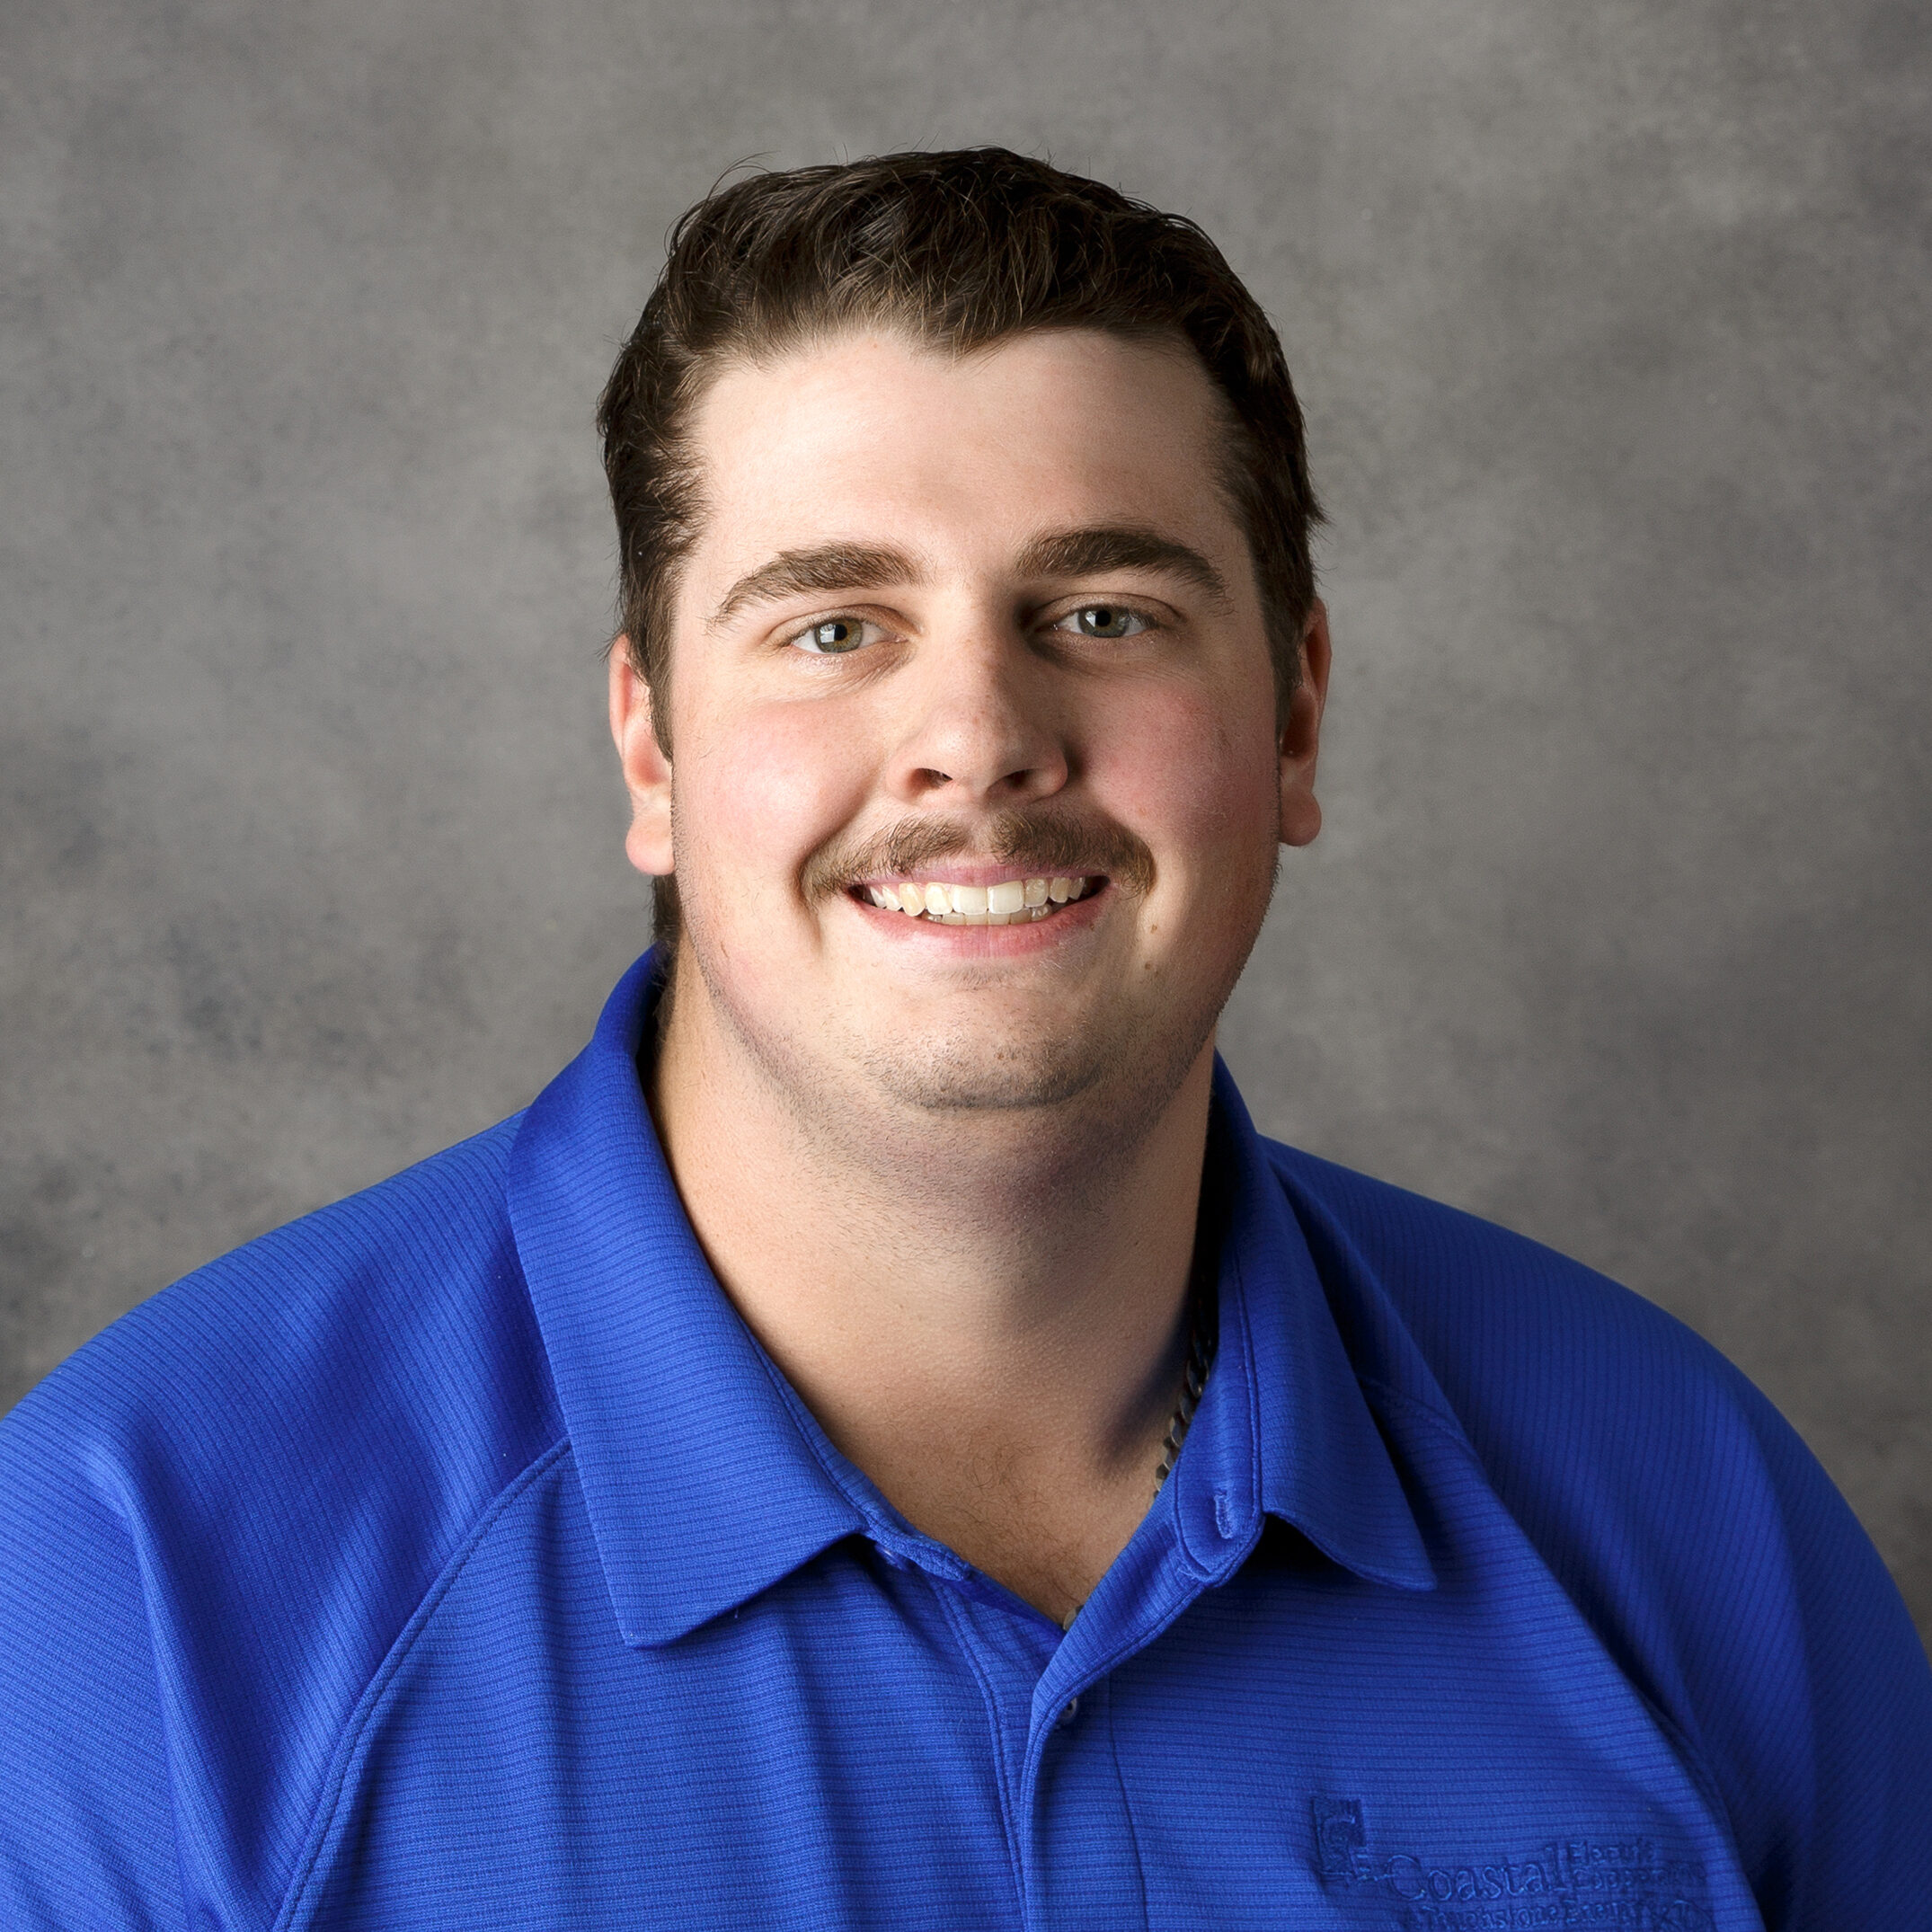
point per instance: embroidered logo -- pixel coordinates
(1633, 1883)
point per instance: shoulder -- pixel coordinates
(403, 1301)
(1585, 1403)
(1684, 1518)
(1512, 1335)
(217, 1517)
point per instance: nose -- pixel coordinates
(982, 724)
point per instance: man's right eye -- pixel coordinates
(831, 637)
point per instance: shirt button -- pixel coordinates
(1069, 1712)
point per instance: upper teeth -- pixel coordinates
(1008, 903)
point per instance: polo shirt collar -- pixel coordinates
(1283, 1429)
(701, 1485)
(706, 1481)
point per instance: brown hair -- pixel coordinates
(963, 250)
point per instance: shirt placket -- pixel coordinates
(1077, 1864)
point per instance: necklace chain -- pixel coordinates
(1194, 1380)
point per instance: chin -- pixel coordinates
(989, 1080)
(1116, 1066)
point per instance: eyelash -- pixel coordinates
(797, 639)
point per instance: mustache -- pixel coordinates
(1038, 843)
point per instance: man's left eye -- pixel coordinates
(1104, 620)
(831, 637)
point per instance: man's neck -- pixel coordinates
(984, 1309)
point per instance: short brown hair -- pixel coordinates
(963, 250)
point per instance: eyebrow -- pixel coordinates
(824, 567)
(1097, 550)
(1091, 551)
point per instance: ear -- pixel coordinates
(1301, 734)
(647, 772)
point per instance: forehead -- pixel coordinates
(869, 436)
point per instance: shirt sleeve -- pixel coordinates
(1814, 1699)
(87, 1835)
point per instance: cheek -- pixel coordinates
(769, 784)
(1195, 775)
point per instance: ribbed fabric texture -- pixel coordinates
(454, 1558)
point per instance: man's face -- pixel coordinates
(974, 624)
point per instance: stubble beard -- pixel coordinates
(1074, 1086)
(1061, 1107)
(1064, 1101)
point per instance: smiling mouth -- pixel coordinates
(1006, 902)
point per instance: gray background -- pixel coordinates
(1611, 322)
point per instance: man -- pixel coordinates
(881, 1441)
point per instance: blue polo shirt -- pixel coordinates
(455, 1558)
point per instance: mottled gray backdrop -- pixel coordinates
(1612, 325)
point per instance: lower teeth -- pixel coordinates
(1024, 917)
